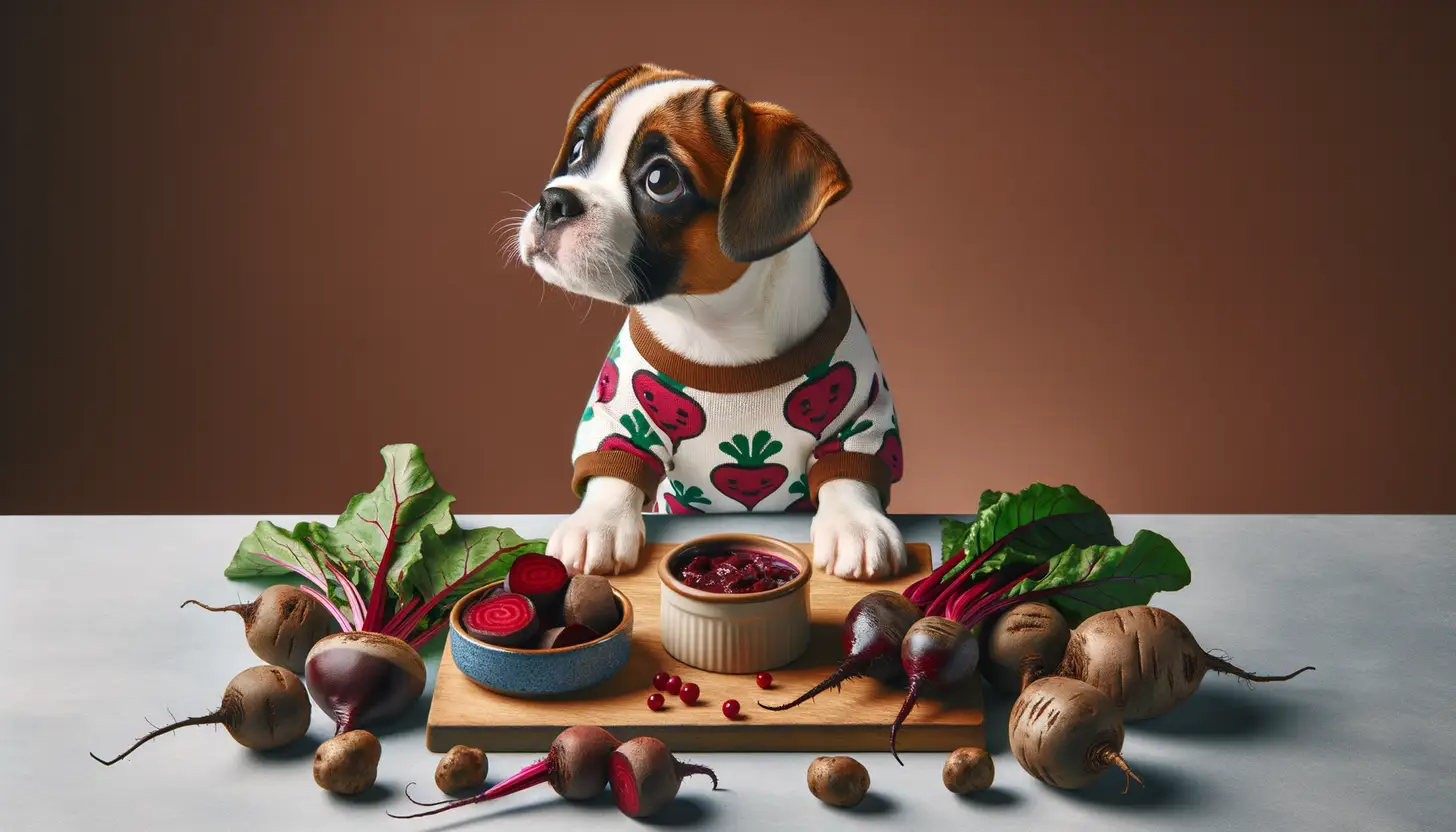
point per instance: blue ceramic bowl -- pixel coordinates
(514, 671)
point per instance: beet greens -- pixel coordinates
(1051, 544)
(395, 560)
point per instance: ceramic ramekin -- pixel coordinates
(735, 633)
(517, 672)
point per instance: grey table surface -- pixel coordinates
(94, 643)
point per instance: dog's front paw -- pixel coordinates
(604, 535)
(852, 537)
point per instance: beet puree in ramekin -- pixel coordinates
(734, 571)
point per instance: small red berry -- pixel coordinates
(655, 702)
(689, 693)
(660, 681)
(730, 708)
(765, 680)
(674, 685)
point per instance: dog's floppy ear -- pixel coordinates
(782, 177)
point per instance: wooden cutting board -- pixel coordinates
(855, 719)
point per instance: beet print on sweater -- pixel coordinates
(608, 377)
(750, 478)
(701, 439)
(681, 500)
(836, 445)
(802, 489)
(891, 451)
(638, 442)
(674, 412)
(818, 401)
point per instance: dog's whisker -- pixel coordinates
(523, 200)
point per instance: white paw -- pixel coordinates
(604, 535)
(852, 537)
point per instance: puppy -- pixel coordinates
(743, 378)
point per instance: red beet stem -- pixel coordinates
(851, 668)
(915, 682)
(532, 775)
(406, 624)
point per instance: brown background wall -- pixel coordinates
(1189, 260)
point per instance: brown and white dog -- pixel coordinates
(747, 381)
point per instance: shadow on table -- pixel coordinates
(1165, 787)
(994, 798)
(374, 795)
(1230, 712)
(300, 749)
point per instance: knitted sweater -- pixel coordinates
(764, 437)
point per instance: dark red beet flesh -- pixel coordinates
(542, 579)
(936, 653)
(506, 618)
(735, 572)
(645, 776)
(871, 638)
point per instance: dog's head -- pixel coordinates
(669, 184)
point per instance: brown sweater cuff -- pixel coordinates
(618, 465)
(850, 465)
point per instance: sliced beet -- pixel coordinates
(569, 636)
(591, 603)
(542, 579)
(507, 619)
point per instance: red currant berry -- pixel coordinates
(765, 680)
(730, 708)
(655, 702)
(660, 681)
(674, 685)
(689, 693)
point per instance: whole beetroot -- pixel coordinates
(281, 626)
(576, 767)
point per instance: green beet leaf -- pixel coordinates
(380, 523)
(460, 560)
(270, 551)
(1039, 521)
(1085, 580)
(952, 534)
(404, 529)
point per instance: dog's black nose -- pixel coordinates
(560, 204)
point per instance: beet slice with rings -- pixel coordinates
(507, 619)
(542, 579)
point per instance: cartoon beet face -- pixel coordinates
(638, 442)
(802, 489)
(672, 410)
(890, 452)
(607, 379)
(835, 445)
(681, 500)
(815, 403)
(751, 477)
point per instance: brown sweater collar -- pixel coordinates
(817, 348)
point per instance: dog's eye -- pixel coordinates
(663, 182)
(577, 150)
